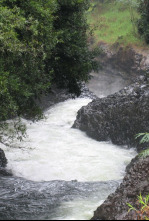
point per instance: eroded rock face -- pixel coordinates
(135, 182)
(131, 61)
(118, 117)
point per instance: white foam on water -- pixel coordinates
(55, 151)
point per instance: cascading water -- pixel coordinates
(55, 151)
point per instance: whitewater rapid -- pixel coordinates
(55, 151)
(59, 171)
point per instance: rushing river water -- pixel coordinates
(61, 170)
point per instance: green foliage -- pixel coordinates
(144, 139)
(143, 22)
(73, 63)
(41, 43)
(115, 21)
(12, 130)
(27, 37)
(143, 211)
(144, 153)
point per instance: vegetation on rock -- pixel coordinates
(144, 139)
(142, 213)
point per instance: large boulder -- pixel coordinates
(118, 117)
(135, 182)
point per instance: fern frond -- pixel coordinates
(145, 138)
(139, 135)
(144, 153)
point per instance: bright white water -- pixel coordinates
(55, 151)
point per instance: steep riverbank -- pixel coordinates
(118, 118)
(130, 61)
(135, 182)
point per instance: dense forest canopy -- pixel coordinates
(41, 43)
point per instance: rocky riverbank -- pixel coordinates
(130, 62)
(118, 117)
(57, 95)
(135, 182)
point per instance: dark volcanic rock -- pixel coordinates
(3, 160)
(3, 163)
(135, 182)
(118, 117)
(131, 61)
(57, 95)
(5, 172)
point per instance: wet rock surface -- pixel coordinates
(135, 182)
(118, 117)
(3, 163)
(128, 60)
(3, 160)
(58, 95)
(128, 113)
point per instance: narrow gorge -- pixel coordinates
(74, 109)
(66, 174)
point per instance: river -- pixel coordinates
(59, 172)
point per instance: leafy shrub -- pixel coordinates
(41, 43)
(144, 139)
(27, 37)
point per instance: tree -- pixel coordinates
(41, 43)
(143, 23)
(74, 59)
(27, 38)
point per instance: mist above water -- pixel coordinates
(107, 82)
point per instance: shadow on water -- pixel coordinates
(24, 200)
